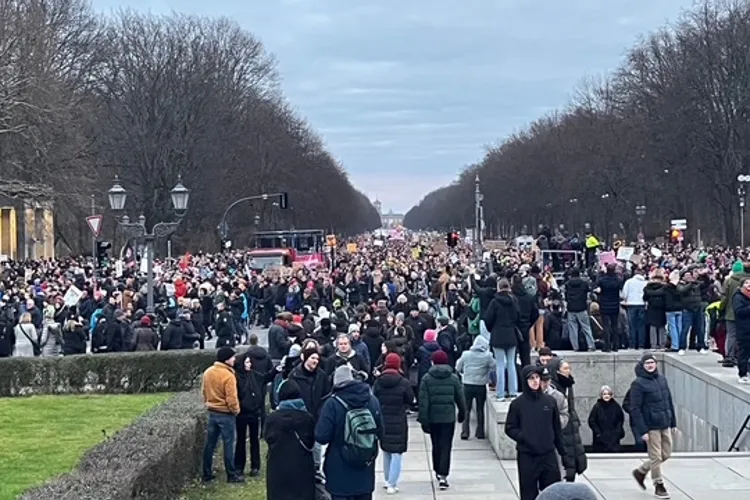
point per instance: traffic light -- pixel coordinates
(676, 236)
(102, 253)
(284, 201)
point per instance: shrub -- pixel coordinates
(133, 372)
(150, 459)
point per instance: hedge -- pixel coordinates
(151, 459)
(120, 373)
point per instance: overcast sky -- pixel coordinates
(407, 92)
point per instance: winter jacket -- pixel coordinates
(673, 299)
(606, 422)
(440, 394)
(313, 387)
(249, 390)
(528, 308)
(577, 461)
(741, 306)
(609, 294)
(290, 434)
(476, 364)
(650, 403)
(502, 319)
(424, 358)
(278, 341)
(576, 294)
(51, 339)
(654, 295)
(373, 339)
(395, 395)
(74, 341)
(733, 283)
(343, 479)
(145, 339)
(690, 294)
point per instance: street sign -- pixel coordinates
(678, 224)
(95, 224)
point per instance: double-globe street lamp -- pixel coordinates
(180, 196)
(743, 180)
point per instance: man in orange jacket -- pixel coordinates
(220, 397)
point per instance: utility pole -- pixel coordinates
(477, 240)
(93, 244)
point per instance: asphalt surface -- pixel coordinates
(23, 346)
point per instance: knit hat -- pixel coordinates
(146, 321)
(443, 321)
(737, 267)
(430, 336)
(342, 375)
(354, 327)
(309, 352)
(647, 357)
(439, 358)
(567, 491)
(400, 316)
(224, 354)
(294, 351)
(393, 361)
(289, 390)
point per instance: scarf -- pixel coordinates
(292, 404)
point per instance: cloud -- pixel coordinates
(406, 93)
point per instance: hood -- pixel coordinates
(640, 371)
(653, 286)
(354, 393)
(575, 283)
(257, 353)
(527, 370)
(518, 290)
(739, 277)
(441, 371)
(553, 365)
(372, 331)
(504, 298)
(390, 379)
(480, 344)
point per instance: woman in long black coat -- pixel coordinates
(290, 434)
(606, 421)
(563, 381)
(394, 392)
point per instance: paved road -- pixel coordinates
(23, 346)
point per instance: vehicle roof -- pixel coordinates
(268, 251)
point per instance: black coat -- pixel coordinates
(313, 387)
(502, 319)
(395, 394)
(576, 454)
(741, 305)
(650, 403)
(609, 294)
(655, 297)
(250, 390)
(576, 294)
(527, 308)
(606, 421)
(74, 341)
(673, 299)
(290, 470)
(373, 339)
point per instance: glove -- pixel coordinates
(570, 477)
(425, 428)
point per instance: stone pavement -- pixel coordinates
(477, 474)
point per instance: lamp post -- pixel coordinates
(180, 196)
(640, 212)
(743, 180)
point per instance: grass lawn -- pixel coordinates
(254, 489)
(44, 436)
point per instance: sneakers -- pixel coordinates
(236, 479)
(640, 478)
(744, 380)
(390, 490)
(681, 352)
(660, 491)
(443, 483)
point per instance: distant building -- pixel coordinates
(389, 220)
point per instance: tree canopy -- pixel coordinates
(85, 97)
(668, 130)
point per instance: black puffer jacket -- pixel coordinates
(690, 293)
(502, 318)
(313, 387)
(576, 295)
(650, 402)
(394, 392)
(673, 300)
(249, 390)
(655, 297)
(577, 461)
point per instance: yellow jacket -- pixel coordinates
(219, 388)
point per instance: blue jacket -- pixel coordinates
(651, 406)
(342, 479)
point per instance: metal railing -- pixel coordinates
(738, 438)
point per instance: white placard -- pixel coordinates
(72, 296)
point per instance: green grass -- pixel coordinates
(254, 489)
(44, 436)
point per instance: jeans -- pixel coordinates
(473, 393)
(441, 436)
(219, 424)
(506, 359)
(674, 323)
(240, 453)
(392, 468)
(637, 320)
(695, 320)
(576, 319)
(659, 450)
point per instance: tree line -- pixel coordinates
(668, 131)
(85, 97)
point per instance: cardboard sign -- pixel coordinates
(72, 296)
(351, 247)
(625, 253)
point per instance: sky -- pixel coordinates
(407, 93)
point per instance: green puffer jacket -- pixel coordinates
(440, 393)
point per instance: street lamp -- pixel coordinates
(180, 196)
(640, 211)
(743, 180)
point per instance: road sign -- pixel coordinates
(678, 224)
(95, 224)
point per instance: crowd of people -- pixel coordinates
(396, 330)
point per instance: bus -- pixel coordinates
(285, 248)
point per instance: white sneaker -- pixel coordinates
(744, 381)
(391, 490)
(703, 351)
(681, 352)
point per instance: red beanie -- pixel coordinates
(439, 358)
(430, 336)
(393, 361)
(146, 321)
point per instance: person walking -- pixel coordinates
(533, 422)
(351, 425)
(251, 394)
(440, 394)
(395, 395)
(290, 434)
(654, 420)
(219, 388)
(475, 366)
